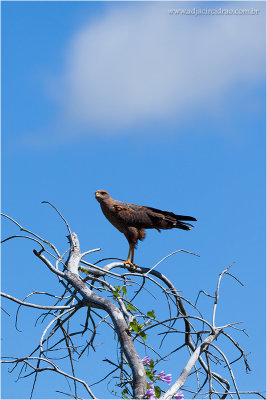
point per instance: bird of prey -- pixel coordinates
(132, 220)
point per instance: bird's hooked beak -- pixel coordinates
(98, 196)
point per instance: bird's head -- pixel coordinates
(101, 195)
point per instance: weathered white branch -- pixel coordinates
(32, 233)
(61, 216)
(25, 237)
(94, 300)
(191, 362)
(217, 293)
(24, 303)
(53, 368)
(51, 323)
(229, 368)
(48, 264)
(89, 252)
(74, 255)
(169, 255)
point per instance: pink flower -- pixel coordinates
(165, 378)
(146, 360)
(179, 395)
(150, 394)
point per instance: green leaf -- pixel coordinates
(143, 335)
(151, 314)
(157, 391)
(150, 375)
(124, 290)
(140, 327)
(116, 294)
(83, 270)
(151, 364)
(129, 307)
(118, 288)
(134, 326)
(124, 392)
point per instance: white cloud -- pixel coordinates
(140, 64)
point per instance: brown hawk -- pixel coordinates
(132, 219)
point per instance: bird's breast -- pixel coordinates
(111, 215)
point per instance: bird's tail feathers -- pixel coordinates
(172, 215)
(185, 218)
(183, 226)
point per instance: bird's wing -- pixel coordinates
(132, 215)
(149, 218)
(142, 216)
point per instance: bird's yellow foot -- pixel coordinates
(128, 262)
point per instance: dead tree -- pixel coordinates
(97, 293)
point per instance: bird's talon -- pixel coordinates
(132, 266)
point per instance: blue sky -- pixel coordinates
(158, 109)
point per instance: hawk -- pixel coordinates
(132, 220)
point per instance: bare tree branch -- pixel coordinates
(106, 290)
(24, 303)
